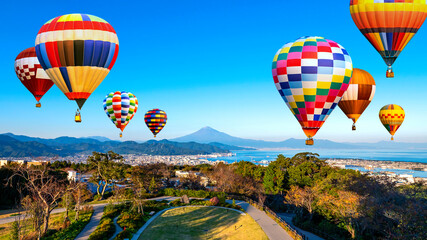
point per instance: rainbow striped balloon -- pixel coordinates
(155, 120)
(388, 24)
(77, 51)
(120, 107)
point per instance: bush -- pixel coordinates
(127, 233)
(193, 193)
(214, 201)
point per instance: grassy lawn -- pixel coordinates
(203, 223)
(55, 223)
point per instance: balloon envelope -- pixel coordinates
(311, 74)
(120, 107)
(392, 116)
(77, 51)
(31, 73)
(358, 95)
(155, 120)
(388, 24)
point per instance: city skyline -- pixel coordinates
(209, 64)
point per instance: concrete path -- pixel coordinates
(98, 210)
(272, 229)
(13, 218)
(287, 217)
(118, 228)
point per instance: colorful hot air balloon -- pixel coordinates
(358, 95)
(311, 74)
(388, 24)
(77, 51)
(31, 74)
(392, 117)
(120, 107)
(155, 120)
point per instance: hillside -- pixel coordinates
(66, 146)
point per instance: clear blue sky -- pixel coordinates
(207, 63)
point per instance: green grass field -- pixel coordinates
(203, 223)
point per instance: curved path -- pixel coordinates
(98, 211)
(118, 228)
(272, 229)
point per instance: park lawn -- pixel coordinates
(55, 223)
(203, 223)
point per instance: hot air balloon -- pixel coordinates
(392, 117)
(31, 74)
(120, 107)
(77, 51)
(155, 120)
(358, 95)
(311, 74)
(388, 24)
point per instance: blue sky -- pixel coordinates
(207, 63)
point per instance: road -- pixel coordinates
(272, 229)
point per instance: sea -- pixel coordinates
(266, 156)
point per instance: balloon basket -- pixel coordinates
(309, 141)
(392, 138)
(353, 127)
(77, 118)
(389, 73)
(154, 135)
(121, 134)
(38, 105)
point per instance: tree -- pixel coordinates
(46, 188)
(302, 197)
(108, 167)
(80, 194)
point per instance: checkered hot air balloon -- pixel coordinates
(388, 24)
(31, 74)
(312, 74)
(392, 116)
(77, 51)
(120, 107)
(155, 120)
(358, 95)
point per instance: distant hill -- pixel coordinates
(210, 135)
(65, 146)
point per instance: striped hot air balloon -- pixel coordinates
(388, 24)
(392, 116)
(31, 74)
(120, 107)
(358, 95)
(77, 51)
(155, 120)
(311, 75)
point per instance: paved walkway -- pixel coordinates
(287, 217)
(118, 228)
(272, 229)
(98, 210)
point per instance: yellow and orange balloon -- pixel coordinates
(392, 117)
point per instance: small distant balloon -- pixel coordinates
(31, 74)
(392, 116)
(120, 107)
(155, 120)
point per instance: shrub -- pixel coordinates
(214, 201)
